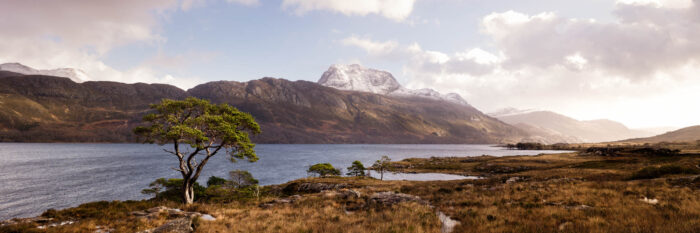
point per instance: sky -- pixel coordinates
(632, 61)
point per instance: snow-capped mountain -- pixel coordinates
(74, 74)
(357, 78)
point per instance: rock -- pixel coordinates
(139, 213)
(318, 187)
(578, 207)
(207, 217)
(650, 201)
(565, 225)
(180, 225)
(390, 198)
(157, 209)
(513, 180)
(349, 194)
(448, 224)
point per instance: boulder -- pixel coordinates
(318, 187)
(391, 198)
(179, 225)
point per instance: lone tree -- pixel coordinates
(382, 165)
(323, 169)
(198, 130)
(357, 169)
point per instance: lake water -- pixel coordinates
(38, 176)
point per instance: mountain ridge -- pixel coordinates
(56, 109)
(561, 128)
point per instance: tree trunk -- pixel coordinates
(381, 174)
(187, 191)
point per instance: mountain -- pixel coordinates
(688, 134)
(553, 127)
(357, 78)
(40, 108)
(73, 74)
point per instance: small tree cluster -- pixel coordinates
(323, 170)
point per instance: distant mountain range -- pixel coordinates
(40, 108)
(74, 74)
(688, 134)
(551, 127)
(349, 104)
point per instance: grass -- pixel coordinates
(554, 193)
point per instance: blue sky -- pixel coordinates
(633, 61)
(248, 42)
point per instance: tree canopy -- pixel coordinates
(202, 129)
(323, 169)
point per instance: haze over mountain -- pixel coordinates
(54, 109)
(553, 127)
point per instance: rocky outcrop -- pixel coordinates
(391, 198)
(179, 221)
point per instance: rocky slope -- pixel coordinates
(357, 78)
(552, 127)
(53, 109)
(305, 112)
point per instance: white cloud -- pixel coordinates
(80, 33)
(372, 47)
(640, 69)
(245, 2)
(397, 10)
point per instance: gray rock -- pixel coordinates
(180, 225)
(391, 198)
(207, 217)
(318, 187)
(513, 180)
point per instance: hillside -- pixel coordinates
(688, 134)
(50, 109)
(554, 127)
(53, 109)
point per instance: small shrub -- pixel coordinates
(215, 180)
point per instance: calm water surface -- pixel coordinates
(38, 176)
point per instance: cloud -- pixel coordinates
(647, 39)
(372, 47)
(397, 10)
(80, 33)
(640, 68)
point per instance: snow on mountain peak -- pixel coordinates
(74, 74)
(357, 78)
